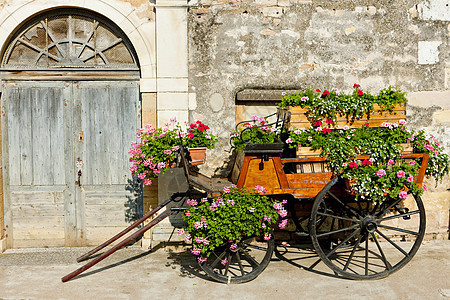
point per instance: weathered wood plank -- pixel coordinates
(25, 137)
(57, 136)
(106, 215)
(33, 243)
(39, 222)
(36, 198)
(14, 151)
(43, 210)
(40, 137)
(308, 180)
(51, 233)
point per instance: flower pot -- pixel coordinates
(198, 155)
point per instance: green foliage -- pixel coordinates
(382, 145)
(439, 161)
(226, 219)
(328, 105)
(255, 132)
(154, 152)
(199, 135)
(156, 147)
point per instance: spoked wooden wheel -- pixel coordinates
(365, 240)
(242, 264)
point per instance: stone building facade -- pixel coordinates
(189, 60)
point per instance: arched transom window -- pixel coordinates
(67, 39)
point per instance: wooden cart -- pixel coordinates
(351, 237)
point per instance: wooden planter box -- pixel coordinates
(300, 120)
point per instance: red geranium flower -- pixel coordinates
(367, 124)
(329, 121)
(193, 126)
(360, 93)
(356, 86)
(326, 93)
(353, 164)
(190, 135)
(318, 123)
(366, 162)
(318, 90)
(326, 130)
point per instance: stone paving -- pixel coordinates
(136, 274)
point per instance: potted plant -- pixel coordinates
(256, 135)
(226, 219)
(155, 151)
(383, 172)
(198, 138)
(336, 108)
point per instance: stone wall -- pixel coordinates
(291, 44)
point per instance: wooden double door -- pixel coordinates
(65, 161)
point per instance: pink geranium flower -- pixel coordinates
(401, 174)
(381, 172)
(402, 195)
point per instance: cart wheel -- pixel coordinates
(367, 240)
(243, 264)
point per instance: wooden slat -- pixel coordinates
(280, 172)
(14, 134)
(31, 233)
(56, 130)
(299, 193)
(35, 243)
(106, 215)
(308, 180)
(36, 197)
(41, 137)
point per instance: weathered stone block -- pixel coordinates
(266, 2)
(273, 11)
(442, 118)
(436, 10)
(429, 99)
(428, 52)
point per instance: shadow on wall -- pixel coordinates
(134, 206)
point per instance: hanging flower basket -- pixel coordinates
(198, 155)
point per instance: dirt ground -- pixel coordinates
(136, 274)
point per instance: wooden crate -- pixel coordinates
(300, 120)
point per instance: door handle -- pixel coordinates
(79, 165)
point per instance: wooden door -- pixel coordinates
(52, 130)
(107, 116)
